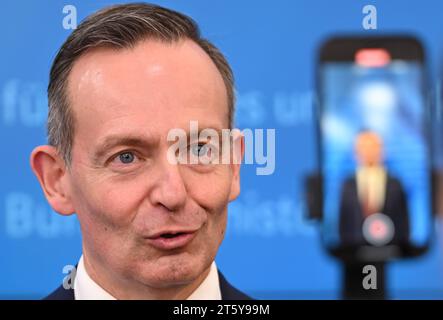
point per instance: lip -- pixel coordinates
(178, 241)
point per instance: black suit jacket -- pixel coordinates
(352, 218)
(228, 292)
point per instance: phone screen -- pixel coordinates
(375, 150)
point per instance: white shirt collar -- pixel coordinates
(87, 289)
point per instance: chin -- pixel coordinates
(172, 271)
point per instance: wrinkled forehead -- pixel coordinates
(153, 86)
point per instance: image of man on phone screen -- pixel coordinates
(372, 192)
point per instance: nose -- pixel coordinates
(169, 190)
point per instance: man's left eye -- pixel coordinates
(200, 149)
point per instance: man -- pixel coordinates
(372, 190)
(151, 228)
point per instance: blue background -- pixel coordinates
(270, 250)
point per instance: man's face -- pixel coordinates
(122, 186)
(369, 149)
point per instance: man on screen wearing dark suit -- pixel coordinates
(151, 227)
(371, 190)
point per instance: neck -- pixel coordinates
(123, 288)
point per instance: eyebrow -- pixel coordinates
(200, 129)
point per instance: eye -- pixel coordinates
(126, 161)
(202, 153)
(126, 157)
(200, 149)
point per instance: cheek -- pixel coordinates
(210, 190)
(114, 202)
(215, 233)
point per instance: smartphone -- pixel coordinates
(374, 152)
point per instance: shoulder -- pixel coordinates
(229, 292)
(394, 182)
(61, 294)
(349, 183)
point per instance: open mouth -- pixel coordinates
(171, 235)
(171, 240)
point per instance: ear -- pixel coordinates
(51, 172)
(238, 150)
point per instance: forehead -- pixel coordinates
(154, 86)
(369, 139)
